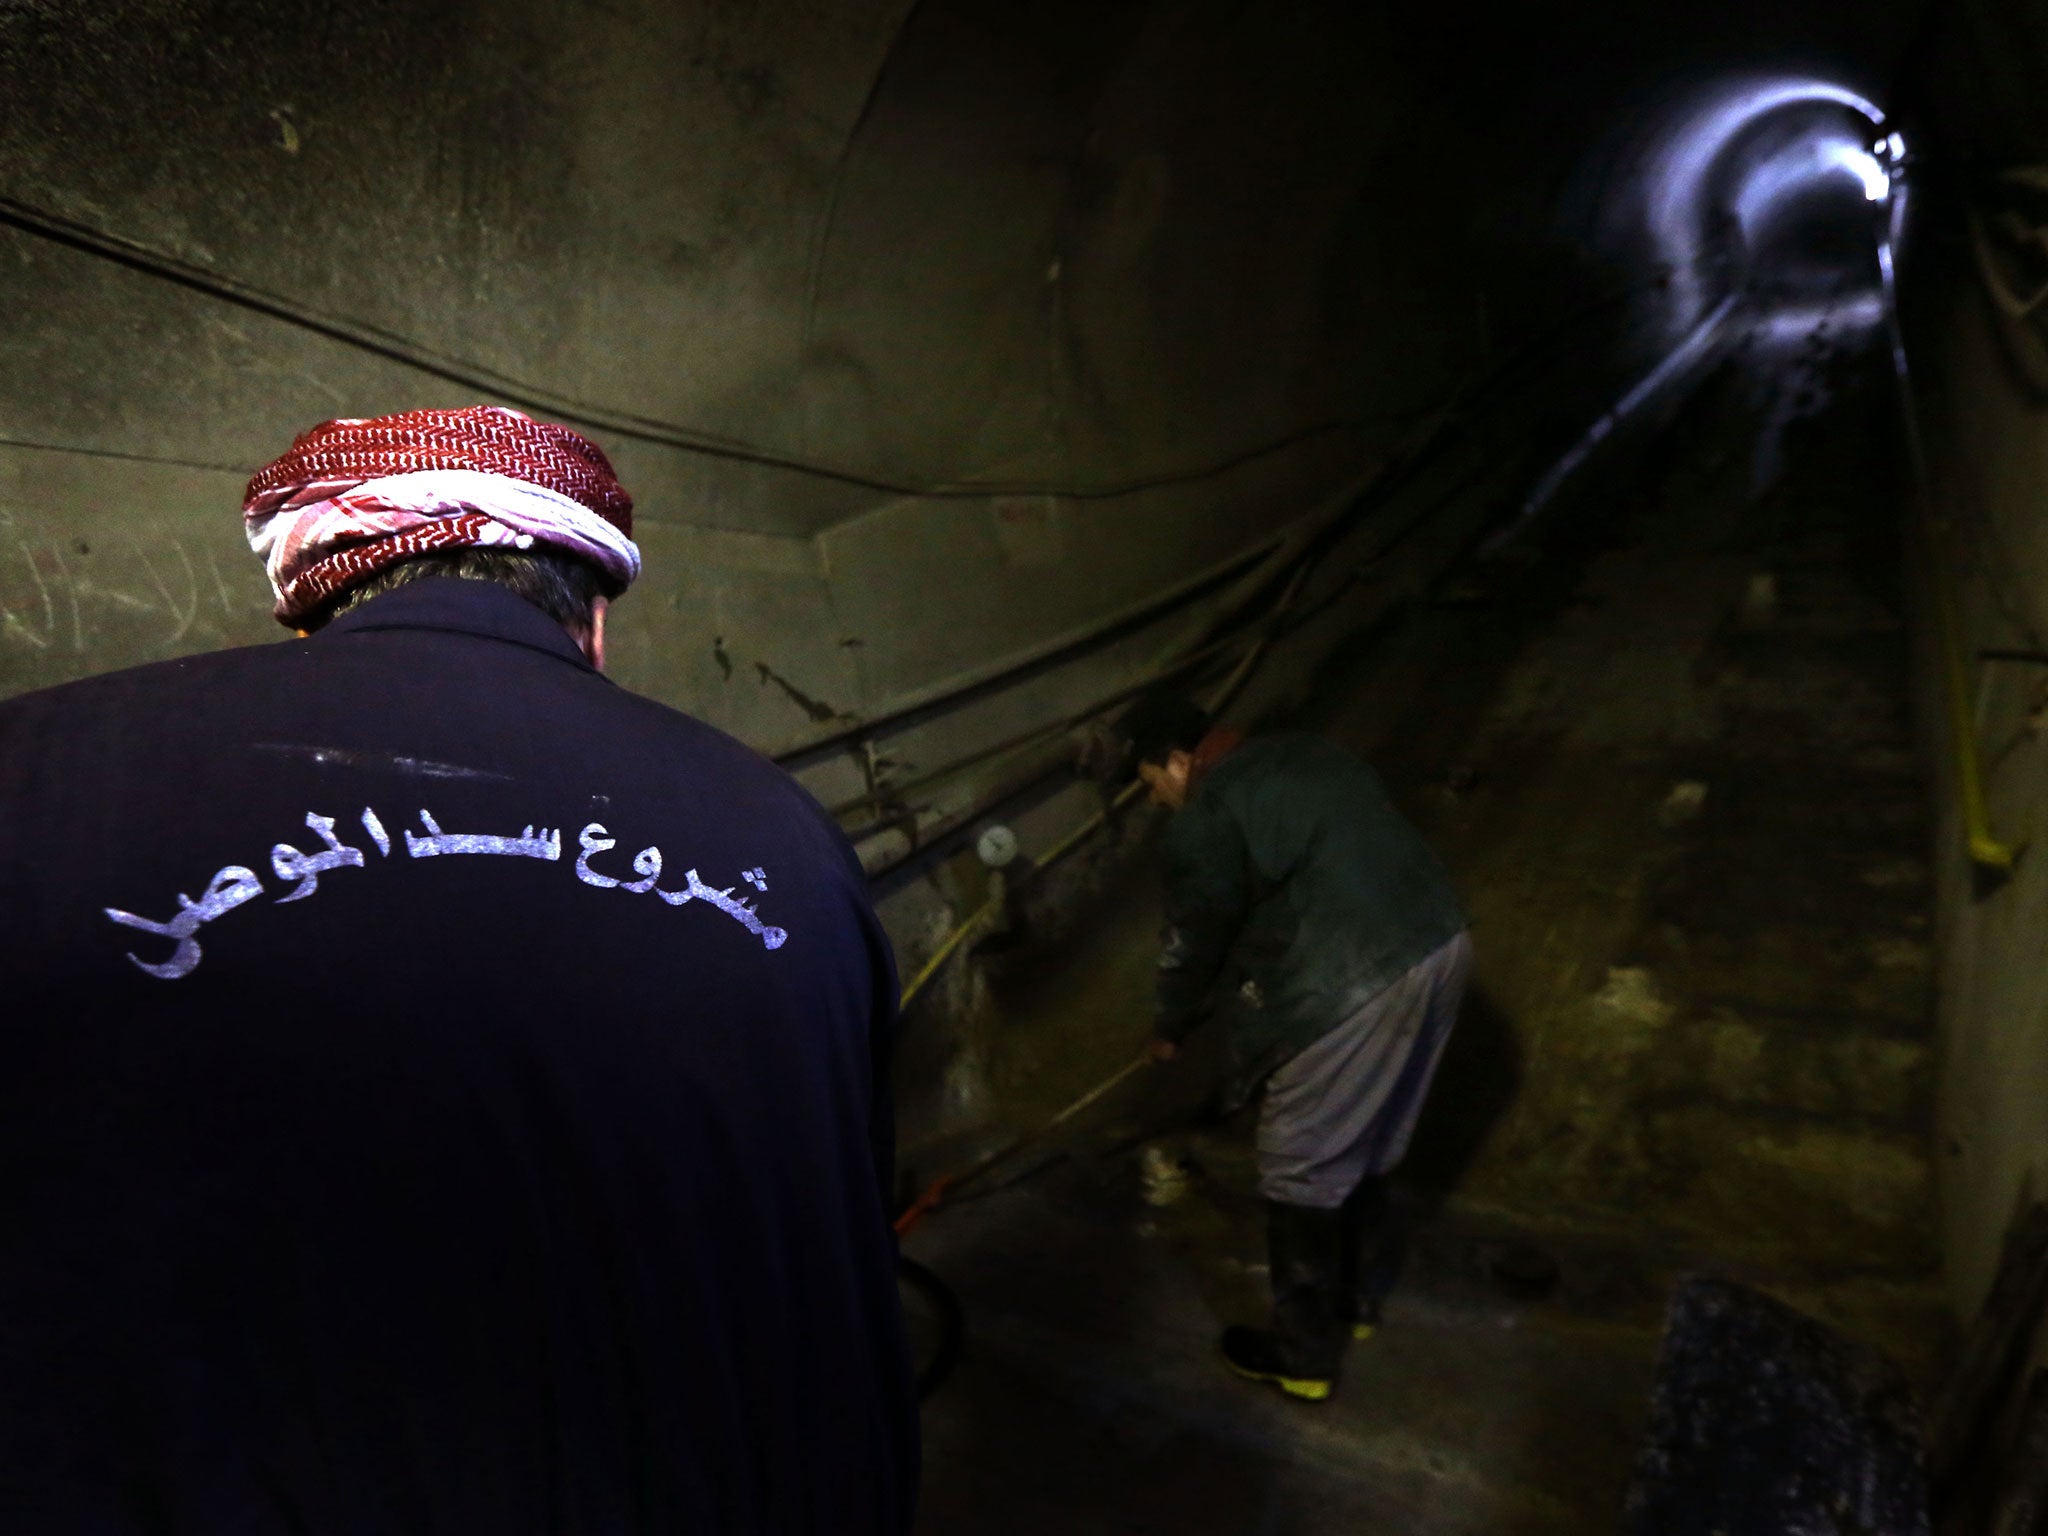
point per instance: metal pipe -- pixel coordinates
(1985, 848)
(1392, 477)
(961, 932)
(1037, 735)
(956, 694)
(1312, 552)
(1468, 401)
(1000, 891)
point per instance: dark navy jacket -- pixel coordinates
(473, 1121)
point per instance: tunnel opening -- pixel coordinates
(1764, 210)
(1737, 158)
(1699, 1033)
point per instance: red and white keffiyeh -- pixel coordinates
(354, 496)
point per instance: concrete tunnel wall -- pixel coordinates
(1983, 388)
(1050, 251)
(1142, 287)
(1046, 248)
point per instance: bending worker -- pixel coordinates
(439, 1089)
(1303, 909)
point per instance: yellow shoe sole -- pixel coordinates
(1362, 1331)
(1308, 1388)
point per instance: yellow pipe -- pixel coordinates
(1985, 849)
(969, 925)
(1088, 828)
(962, 931)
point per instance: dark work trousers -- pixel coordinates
(1331, 1269)
(1375, 1244)
(1335, 1119)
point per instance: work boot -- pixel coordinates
(1254, 1353)
(1301, 1353)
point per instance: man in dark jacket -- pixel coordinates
(439, 1090)
(1305, 910)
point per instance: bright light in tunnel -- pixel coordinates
(1683, 171)
(1861, 163)
(1709, 165)
(1802, 164)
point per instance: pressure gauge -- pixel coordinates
(996, 846)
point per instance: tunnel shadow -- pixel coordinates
(1476, 1083)
(1084, 1398)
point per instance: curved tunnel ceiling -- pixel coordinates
(1758, 198)
(1036, 248)
(1741, 157)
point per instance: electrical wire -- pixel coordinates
(966, 928)
(407, 352)
(239, 471)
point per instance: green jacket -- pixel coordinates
(1295, 892)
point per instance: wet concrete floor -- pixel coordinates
(1664, 745)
